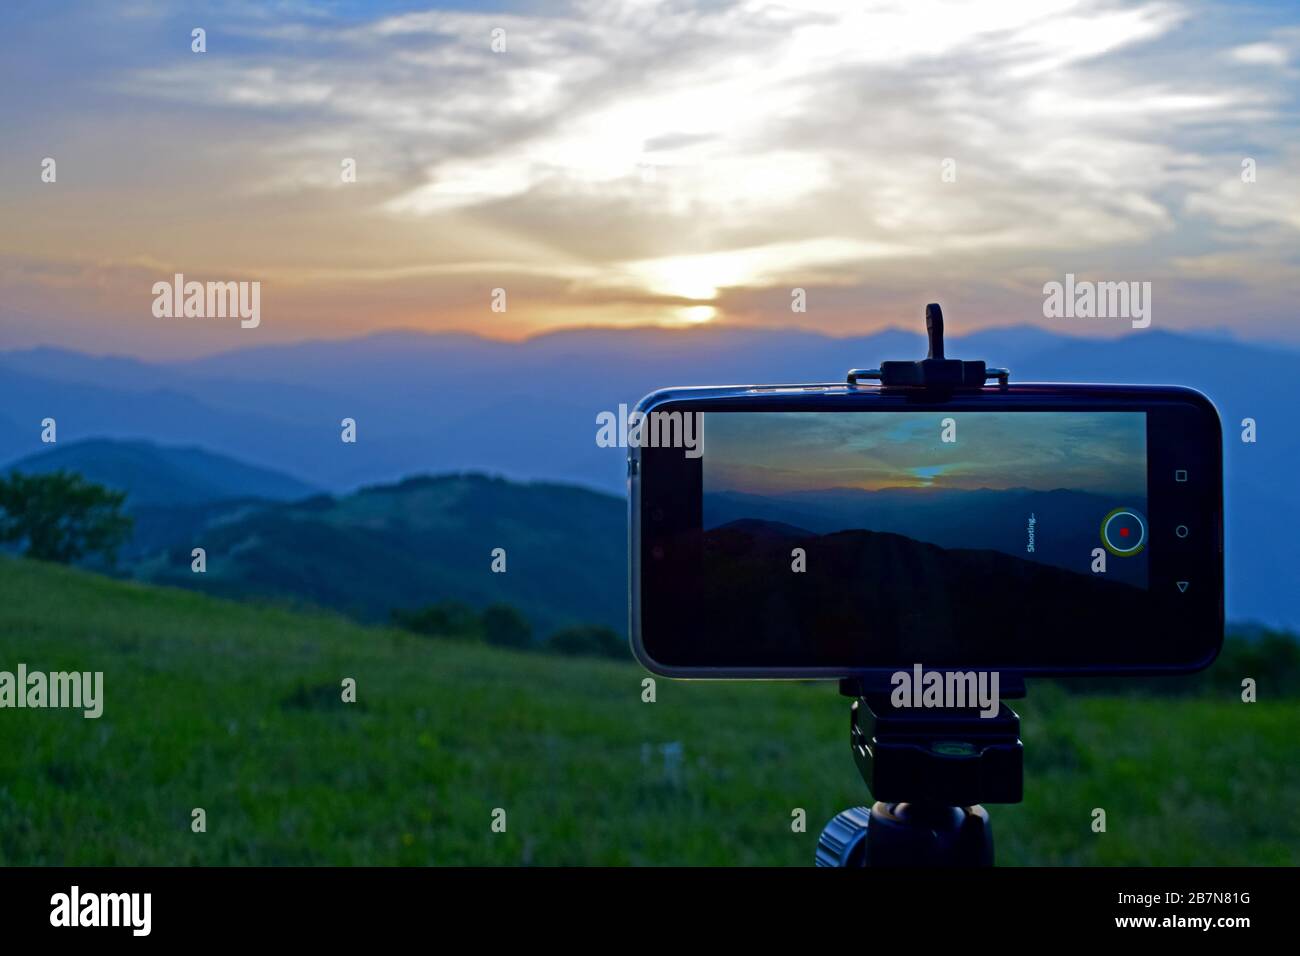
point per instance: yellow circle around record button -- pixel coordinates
(1124, 532)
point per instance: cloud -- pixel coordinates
(706, 151)
(1267, 54)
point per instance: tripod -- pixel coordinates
(929, 770)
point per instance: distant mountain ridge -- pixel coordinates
(159, 475)
(527, 410)
(1067, 522)
(911, 600)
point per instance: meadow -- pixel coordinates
(237, 709)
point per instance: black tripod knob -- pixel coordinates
(843, 843)
(907, 834)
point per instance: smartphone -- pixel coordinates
(824, 531)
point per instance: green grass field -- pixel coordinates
(237, 709)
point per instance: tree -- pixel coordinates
(589, 640)
(446, 618)
(504, 626)
(61, 516)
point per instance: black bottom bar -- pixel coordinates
(335, 905)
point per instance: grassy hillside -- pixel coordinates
(418, 541)
(237, 709)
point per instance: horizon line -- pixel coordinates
(1214, 335)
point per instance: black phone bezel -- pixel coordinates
(658, 492)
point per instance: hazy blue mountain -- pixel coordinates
(157, 475)
(13, 437)
(527, 410)
(305, 446)
(110, 371)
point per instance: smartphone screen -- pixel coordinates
(1032, 539)
(866, 492)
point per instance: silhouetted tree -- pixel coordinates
(589, 640)
(60, 516)
(504, 626)
(447, 618)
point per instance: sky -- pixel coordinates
(767, 454)
(626, 162)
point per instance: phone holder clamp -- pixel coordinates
(933, 371)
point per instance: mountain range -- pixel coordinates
(410, 544)
(911, 601)
(161, 476)
(433, 403)
(1066, 522)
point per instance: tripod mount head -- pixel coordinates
(935, 370)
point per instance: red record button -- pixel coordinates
(1124, 532)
